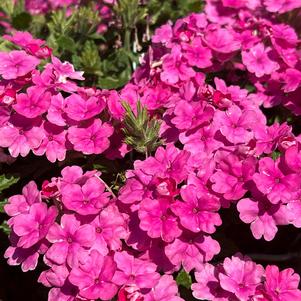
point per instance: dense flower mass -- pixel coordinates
(205, 80)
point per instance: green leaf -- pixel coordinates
(7, 181)
(2, 204)
(184, 279)
(67, 43)
(141, 132)
(21, 21)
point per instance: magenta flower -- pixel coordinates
(34, 103)
(130, 292)
(281, 285)
(258, 61)
(110, 228)
(198, 211)
(56, 111)
(91, 139)
(53, 143)
(90, 198)
(237, 125)
(157, 219)
(70, 241)
(263, 216)
(165, 290)
(272, 182)
(21, 136)
(26, 257)
(78, 108)
(174, 68)
(16, 63)
(131, 270)
(198, 55)
(65, 70)
(191, 250)
(232, 175)
(94, 277)
(208, 287)
(34, 225)
(190, 115)
(241, 276)
(21, 203)
(221, 39)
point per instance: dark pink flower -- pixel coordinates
(94, 277)
(91, 139)
(241, 276)
(191, 250)
(258, 61)
(263, 216)
(131, 270)
(281, 285)
(69, 241)
(157, 219)
(272, 182)
(165, 290)
(197, 212)
(34, 225)
(16, 63)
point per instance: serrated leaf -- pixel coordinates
(66, 43)
(184, 279)
(7, 181)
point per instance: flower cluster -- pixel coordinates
(45, 111)
(239, 278)
(204, 80)
(78, 228)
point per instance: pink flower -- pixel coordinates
(174, 68)
(221, 39)
(94, 277)
(198, 211)
(191, 250)
(110, 229)
(21, 136)
(130, 292)
(208, 286)
(69, 241)
(258, 61)
(88, 198)
(16, 63)
(272, 182)
(34, 103)
(198, 55)
(56, 111)
(65, 70)
(91, 139)
(232, 175)
(190, 115)
(157, 219)
(79, 109)
(21, 203)
(241, 276)
(163, 34)
(292, 80)
(34, 225)
(263, 217)
(281, 6)
(53, 143)
(281, 285)
(237, 125)
(165, 290)
(131, 270)
(26, 257)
